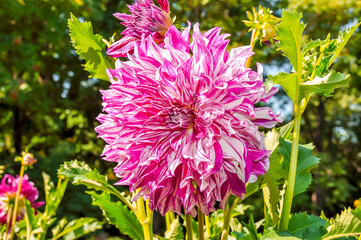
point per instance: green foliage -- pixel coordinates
(175, 232)
(38, 224)
(53, 196)
(251, 229)
(89, 47)
(80, 173)
(289, 36)
(301, 226)
(348, 223)
(118, 214)
(324, 85)
(317, 78)
(305, 161)
(76, 228)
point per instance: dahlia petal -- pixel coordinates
(121, 47)
(266, 118)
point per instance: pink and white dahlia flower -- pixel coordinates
(181, 121)
(8, 188)
(145, 18)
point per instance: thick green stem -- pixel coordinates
(16, 204)
(200, 225)
(145, 216)
(291, 176)
(189, 227)
(227, 219)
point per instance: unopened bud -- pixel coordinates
(28, 159)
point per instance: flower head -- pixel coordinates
(145, 18)
(264, 24)
(8, 188)
(181, 121)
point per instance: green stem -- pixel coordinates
(150, 220)
(28, 224)
(208, 226)
(227, 219)
(252, 43)
(8, 221)
(200, 225)
(145, 221)
(16, 204)
(189, 227)
(287, 204)
(171, 216)
(167, 221)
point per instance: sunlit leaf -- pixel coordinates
(90, 47)
(348, 223)
(324, 85)
(289, 36)
(76, 228)
(175, 231)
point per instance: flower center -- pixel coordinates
(180, 117)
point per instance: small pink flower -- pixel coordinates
(145, 18)
(8, 188)
(181, 121)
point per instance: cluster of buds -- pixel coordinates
(263, 24)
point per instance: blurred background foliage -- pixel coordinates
(48, 105)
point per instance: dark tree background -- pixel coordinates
(48, 105)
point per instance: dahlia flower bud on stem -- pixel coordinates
(16, 204)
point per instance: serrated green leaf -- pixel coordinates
(331, 49)
(348, 223)
(311, 45)
(273, 178)
(118, 215)
(324, 85)
(272, 234)
(305, 162)
(78, 228)
(89, 46)
(289, 35)
(288, 81)
(175, 231)
(80, 173)
(342, 39)
(306, 226)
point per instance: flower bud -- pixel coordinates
(264, 24)
(28, 159)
